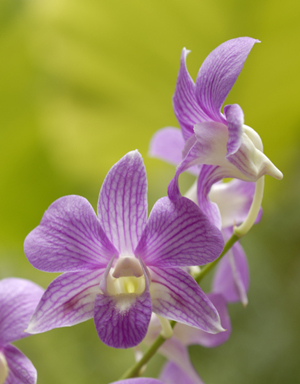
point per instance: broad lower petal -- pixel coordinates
(174, 374)
(232, 276)
(68, 300)
(185, 105)
(189, 336)
(21, 369)
(179, 234)
(69, 238)
(218, 74)
(18, 300)
(122, 320)
(122, 204)
(176, 296)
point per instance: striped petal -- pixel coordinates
(176, 296)
(122, 204)
(185, 105)
(218, 74)
(69, 238)
(179, 234)
(68, 300)
(21, 369)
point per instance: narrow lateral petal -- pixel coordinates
(21, 369)
(68, 300)
(189, 336)
(122, 204)
(234, 200)
(122, 320)
(235, 120)
(18, 300)
(232, 276)
(176, 296)
(69, 238)
(218, 74)
(185, 105)
(167, 144)
(142, 380)
(179, 234)
(173, 374)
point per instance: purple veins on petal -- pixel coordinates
(218, 74)
(69, 238)
(68, 300)
(122, 320)
(122, 204)
(176, 296)
(179, 234)
(21, 370)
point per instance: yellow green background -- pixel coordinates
(82, 82)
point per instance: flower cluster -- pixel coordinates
(137, 275)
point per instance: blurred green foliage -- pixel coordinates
(84, 82)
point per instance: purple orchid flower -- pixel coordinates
(219, 143)
(118, 267)
(18, 299)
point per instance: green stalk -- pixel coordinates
(135, 369)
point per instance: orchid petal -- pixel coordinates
(69, 238)
(18, 300)
(179, 234)
(232, 276)
(218, 74)
(189, 336)
(179, 358)
(234, 200)
(68, 300)
(142, 380)
(122, 204)
(176, 296)
(122, 320)
(173, 374)
(235, 120)
(185, 105)
(21, 369)
(167, 144)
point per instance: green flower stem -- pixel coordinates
(135, 369)
(210, 266)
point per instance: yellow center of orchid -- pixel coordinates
(127, 277)
(3, 369)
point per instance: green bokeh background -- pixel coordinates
(85, 81)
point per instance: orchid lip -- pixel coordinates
(126, 277)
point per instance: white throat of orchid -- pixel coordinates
(126, 277)
(3, 368)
